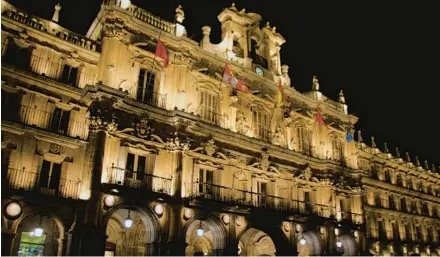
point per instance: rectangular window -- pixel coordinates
(31, 245)
(399, 179)
(407, 232)
(382, 231)
(135, 167)
(208, 107)
(378, 200)
(70, 75)
(50, 175)
(395, 231)
(419, 233)
(17, 56)
(303, 140)
(308, 201)
(145, 89)
(206, 181)
(391, 202)
(10, 106)
(262, 193)
(260, 122)
(60, 121)
(403, 205)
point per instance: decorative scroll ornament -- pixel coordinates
(176, 144)
(55, 148)
(210, 147)
(99, 123)
(307, 175)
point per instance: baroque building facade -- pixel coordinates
(107, 149)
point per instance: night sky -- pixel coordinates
(385, 55)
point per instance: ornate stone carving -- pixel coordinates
(55, 148)
(142, 129)
(210, 147)
(115, 28)
(241, 123)
(101, 116)
(278, 138)
(176, 144)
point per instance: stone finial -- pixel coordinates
(233, 7)
(285, 73)
(267, 24)
(284, 69)
(56, 14)
(408, 159)
(417, 161)
(360, 140)
(373, 143)
(426, 165)
(385, 148)
(341, 97)
(243, 11)
(180, 14)
(315, 86)
(433, 168)
(206, 30)
(397, 152)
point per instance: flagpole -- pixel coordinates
(152, 67)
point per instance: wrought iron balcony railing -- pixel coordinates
(51, 69)
(204, 191)
(22, 179)
(45, 120)
(210, 116)
(134, 179)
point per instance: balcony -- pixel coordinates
(55, 70)
(23, 180)
(34, 117)
(153, 98)
(215, 193)
(133, 179)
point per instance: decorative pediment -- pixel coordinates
(307, 174)
(209, 147)
(138, 145)
(210, 164)
(101, 115)
(263, 163)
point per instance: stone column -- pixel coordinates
(232, 245)
(94, 237)
(177, 238)
(61, 242)
(7, 243)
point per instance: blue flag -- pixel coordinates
(349, 137)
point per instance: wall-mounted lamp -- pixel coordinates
(128, 222)
(302, 240)
(39, 229)
(200, 231)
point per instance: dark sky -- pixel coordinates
(385, 55)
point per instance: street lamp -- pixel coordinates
(200, 230)
(302, 240)
(39, 229)
(128, 222)
(339, 244)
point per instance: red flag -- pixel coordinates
(229, 79)
(161, 51)
(319, 118)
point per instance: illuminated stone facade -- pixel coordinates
(95, 129)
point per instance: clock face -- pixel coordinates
(259, 71)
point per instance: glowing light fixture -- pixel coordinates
(125, 4)
(302, 240)
(200, 230)
(339, 244)
(39, 229)
(128, 222)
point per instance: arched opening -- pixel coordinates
(309, 244)
(349, 246)
(255, 242)
(39, 235)
(204, 237)
(130, 232)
